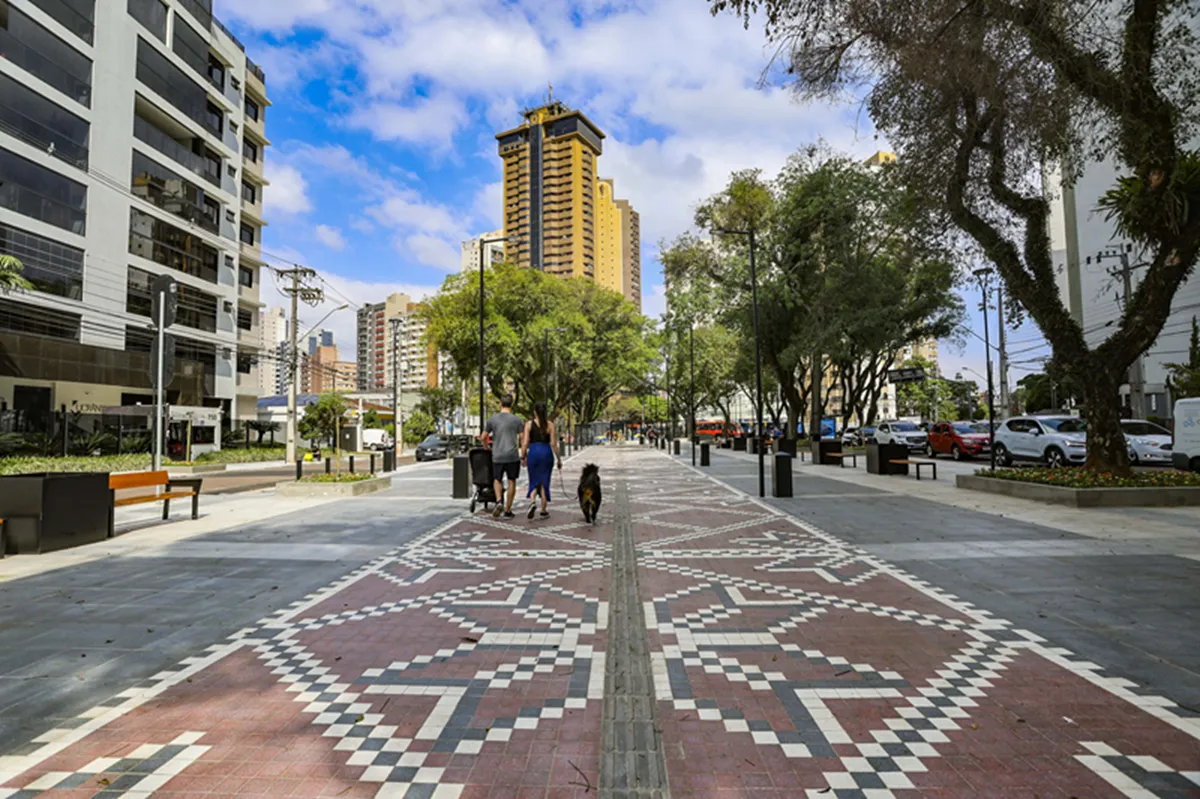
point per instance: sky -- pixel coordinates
(384, 158)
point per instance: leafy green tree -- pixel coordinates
(1183, 380)
(322, 419)
(979, 98)
(262, 429)
(417, 426)
(439, 403)
(931, 399)
(11, 274)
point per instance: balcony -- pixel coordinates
(148, 133)
(16, 46)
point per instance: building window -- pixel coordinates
(216, 73)
(165, 244)
(26, 44)
(190, 46)
(246, 362)
(152, 14)
(250, 150)
(173, 85)
(245, 320)
(197, 158)
(246, 276)
(249, 193)
(247, 235)
(154, 182)
(77, 16)
(51, 267)
(251, 109)
(35, 120)
(17, 317)
(39, 193)
(197, 309)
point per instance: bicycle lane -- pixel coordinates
(788, 663)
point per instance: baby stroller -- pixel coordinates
(481, 477)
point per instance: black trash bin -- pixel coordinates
(822, 448)
(752, 445)
(462, 477)
(781, 476)
(739, 444)
(787, 445)
(677, 446)
(705, 457)
(880, 457)
(53, 511)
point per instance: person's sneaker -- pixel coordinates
(532, 510)
(496, 511)
(509, 514)
(545, 514)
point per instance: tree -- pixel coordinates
(931, 399)
(1183, 380)
(440, 403)
(979, 97)
(263, 428)
(12, 274)
(322, 419)
(417, 426)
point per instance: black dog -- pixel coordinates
(589, 492)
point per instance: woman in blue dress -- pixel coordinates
(539, 455)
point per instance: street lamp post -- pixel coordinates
(982, 275)
(758, 389)
(483, 245)
(692, 389)
(546, 359)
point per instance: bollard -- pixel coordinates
(372, 463)
(328, 466)
(677, 446)
(752, 444)
(705, 457)
(351, 464)
(462, 477)
(389, 460)
(781, 476)
(299, 469)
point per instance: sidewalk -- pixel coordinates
(695, 643)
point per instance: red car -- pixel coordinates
(960, 440)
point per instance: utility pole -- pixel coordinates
(313, 297)
(397, 413)
(1137, 388)
(692, 391)
(1005, 402)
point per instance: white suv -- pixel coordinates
(905, 433)
(1053, 440)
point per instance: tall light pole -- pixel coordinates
(982, 275)
(483, 245)
(546, 359)
(692, 390)
(758, 389)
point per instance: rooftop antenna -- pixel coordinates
(550, 94)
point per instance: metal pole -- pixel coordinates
(762, 473)
(292, 368)
(987, 343)
(482, 247)
(670, 418)
(546, 366)
(692, 389)
(397, 423)
(1005, 401)
(158, 383)
(1137, 392)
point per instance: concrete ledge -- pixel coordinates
(305, 489)
(1083, 497)
(200, 468)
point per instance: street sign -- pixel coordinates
(168, 360)
(164, 286)
(914, 375)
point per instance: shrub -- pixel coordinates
(1079, 478)
(105, 463)
(252, 455)
(344, 477)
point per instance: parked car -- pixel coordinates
(1148, 443)
(959, 440)
(1186, 447)
(1053, 440)
(434, 448)
(376, 439)
(905, 433)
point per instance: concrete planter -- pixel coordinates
(1083, 497)
(303, 489)
(202, 468)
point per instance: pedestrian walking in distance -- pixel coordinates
(539, 454)
(504, 439)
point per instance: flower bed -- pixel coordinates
(344, 477)
(100, 463)
(1080, 478)
(252, 455)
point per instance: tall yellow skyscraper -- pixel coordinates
(558, 216)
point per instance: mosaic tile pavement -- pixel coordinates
(472, 663)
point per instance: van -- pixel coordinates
(1186, 447)
(374, 438)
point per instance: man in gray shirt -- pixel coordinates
(504, 431)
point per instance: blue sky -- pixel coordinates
(385, 112)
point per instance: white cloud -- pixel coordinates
(489, 205)
(432, 251)
(331, 237)
(288, 192)
(429, 121)
(654, 304)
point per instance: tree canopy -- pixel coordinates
(596, 341)
(987, 101)
(1184, 379)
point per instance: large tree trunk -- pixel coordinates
(1107, 450)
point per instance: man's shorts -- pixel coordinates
(511, 470)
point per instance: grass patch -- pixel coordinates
(344, 477)
(1079, 478)
(100, 463)
(252, 455)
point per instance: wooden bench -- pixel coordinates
(174, 489)
(918, 464)
(841, 456)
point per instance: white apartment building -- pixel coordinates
(493, 250)
(274, 326)
(377, 343)
(131, 145)
(1093, 288)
